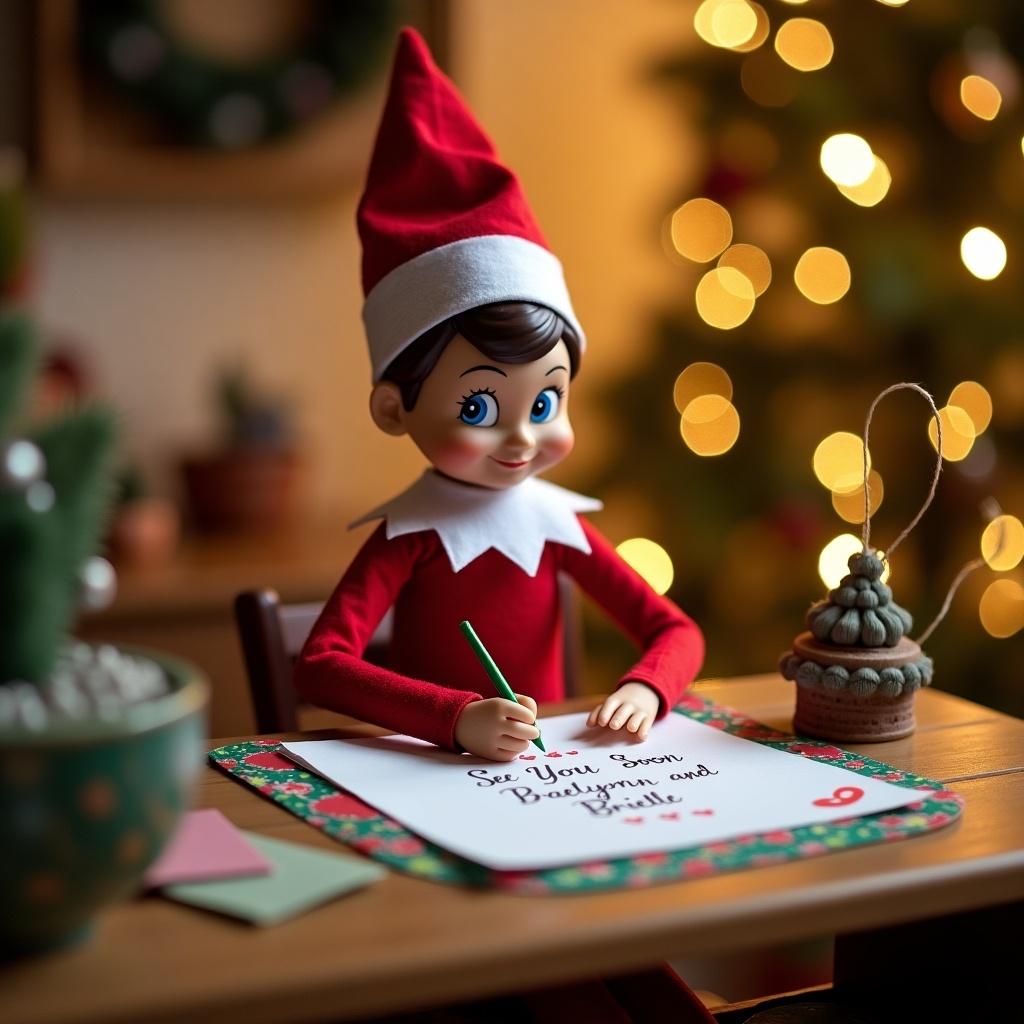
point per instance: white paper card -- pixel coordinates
(595, 795)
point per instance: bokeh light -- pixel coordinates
(1001, 608)
(980, 97)
(700, 379)
(764, 26)
(970, 396)
(767, 80)
(822, 275)
(957, 433)
(849, 505)
(847, 159)
(873, 189)
(701, 229)
(710, 425)
(1002, 543)
(804, 44)
(750, 261)
(835, 556)
(726, 23)
(725, 298)
(983, 253)
(838, 463)
(650, 560)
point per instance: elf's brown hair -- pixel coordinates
(508, 332)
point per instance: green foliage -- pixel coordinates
(42, 552)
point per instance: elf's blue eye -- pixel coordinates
(545, 406)
(479, 409)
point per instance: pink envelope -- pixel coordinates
(206, 846)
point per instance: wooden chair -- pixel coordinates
(272, 634)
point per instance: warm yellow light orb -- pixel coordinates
(847, 159)
(725, 298)
(1002, 543)
(1001, 608)
(970, 396)
(957, 433)
(838, 463)
(889, 3)
(750, 261)
(701, 229)
(849, 505)
(980, 97)
(733, 23)
(822, 275)
(650, 560)
(871, 191)
(700, 379)
(760, 34)
(983, 253)
(710, 425)
(804, 44)
(832, 562)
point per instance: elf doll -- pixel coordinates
(473, 344)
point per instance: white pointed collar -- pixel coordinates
(517, 521)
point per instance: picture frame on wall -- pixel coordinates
(242, 99)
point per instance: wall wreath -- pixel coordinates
(224, 100)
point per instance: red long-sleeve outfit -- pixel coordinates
(434, 673)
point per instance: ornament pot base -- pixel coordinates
(843, 717)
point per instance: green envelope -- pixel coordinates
(301, 878)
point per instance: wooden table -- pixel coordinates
(926, 905)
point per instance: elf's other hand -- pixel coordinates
(496, 728)
(633, 705)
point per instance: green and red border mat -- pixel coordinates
(259, 764)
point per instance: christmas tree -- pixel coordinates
(856, 224)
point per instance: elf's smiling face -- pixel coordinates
(484, 422)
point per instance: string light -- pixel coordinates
(838, 463)
(832, 562)
(804, 44)
(981, 97)
(1001, 608)
(700, 379)
(822, 275)
(701, 229)
(750, 261)
(873, 189)
(983, 253)
(725, 298)
(710, 425)
(1002, 543)
(970, 396)
(957, 433)
(650, 560)
(850, 505)
(727, 24)
(760, 34)
(847, 159)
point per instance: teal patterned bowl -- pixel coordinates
(87, 806)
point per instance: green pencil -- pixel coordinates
(492, 670)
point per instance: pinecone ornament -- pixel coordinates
(855, 668)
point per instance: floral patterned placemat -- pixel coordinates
(259, 764)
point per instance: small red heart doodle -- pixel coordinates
(572, 752)
(706, 811)
(527, 757)
(633, 821)
(553, 753)
(842, 797)
(674, 816)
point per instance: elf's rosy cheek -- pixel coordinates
(559, 441)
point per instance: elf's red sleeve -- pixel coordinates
(672, 643)
(330, 671)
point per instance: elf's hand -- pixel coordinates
(496, 728)
(633, 705)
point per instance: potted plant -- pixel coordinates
(99, 747)
(249, 480)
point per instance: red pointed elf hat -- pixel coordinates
(445, 226)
